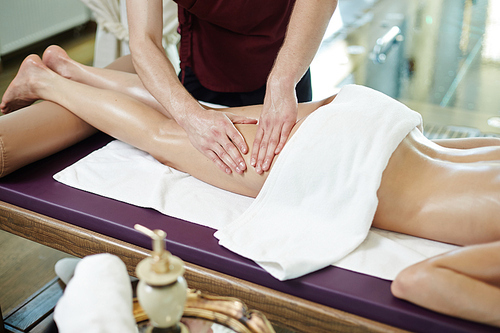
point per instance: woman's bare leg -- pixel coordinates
(40, 130)
(57, 133)
(129, 83)
(133, 122)
(464, 283)
(124, 81)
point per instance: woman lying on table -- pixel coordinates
(447, 191)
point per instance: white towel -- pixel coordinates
(318, 203)
(127, 174)
(98, 299)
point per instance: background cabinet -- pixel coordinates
(23, 22)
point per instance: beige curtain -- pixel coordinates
(112, 30)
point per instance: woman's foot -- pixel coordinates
(22, 90)
(55, 58)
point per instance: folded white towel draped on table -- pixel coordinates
(316, 206)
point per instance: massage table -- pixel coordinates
(34, 206)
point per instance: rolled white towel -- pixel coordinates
(65, 268)
(97, 299)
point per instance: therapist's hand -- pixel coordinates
(279, 115)
(214, 135)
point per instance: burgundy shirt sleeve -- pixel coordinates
(231, 45)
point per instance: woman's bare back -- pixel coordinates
(445, 194)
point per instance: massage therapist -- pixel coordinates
(230, 52)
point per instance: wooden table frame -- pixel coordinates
(282, 309)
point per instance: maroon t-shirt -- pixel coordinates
(231, 45)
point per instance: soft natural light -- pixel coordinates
(335, 24)
(491, 46)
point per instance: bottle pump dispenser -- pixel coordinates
(162, 290)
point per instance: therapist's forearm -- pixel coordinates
(305, 32)
(145, 19)
(159, 77)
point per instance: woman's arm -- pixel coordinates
(212, 133)
(464, 283)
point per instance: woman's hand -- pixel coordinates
(214, 135)
(279, 115)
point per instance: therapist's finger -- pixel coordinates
(256, 146)
(223, 141)
(226, 141)
(285, 133)
(268, 157)
(231, 155)
(236, 136)
(214, 157)
(235, 153)
(263, 151)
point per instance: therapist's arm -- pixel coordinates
(305, 31)
(211, 132)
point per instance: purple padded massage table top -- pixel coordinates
(33, 188)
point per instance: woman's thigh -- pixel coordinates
(176, 151)
(181, 155)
